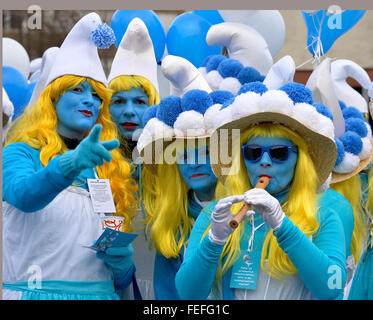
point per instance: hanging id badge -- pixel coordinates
(101, 195)
(245, 270)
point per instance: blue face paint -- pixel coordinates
(195, 168)
(127, 109)
(281, 173)
(77, 111)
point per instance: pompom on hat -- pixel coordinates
(135, 54)
(292, 106)
(78, 53)
(186, 116)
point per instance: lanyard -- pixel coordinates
(253, 229)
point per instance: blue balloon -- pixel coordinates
(325, 29)
(122, 18)
(186, 38)
(212, 16)
(16, 87)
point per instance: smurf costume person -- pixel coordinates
(291, 238)
(185, 183)
(134, 84)
(48, 217)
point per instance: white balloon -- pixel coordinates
(341, 70)
(15, 56)
(269, 23)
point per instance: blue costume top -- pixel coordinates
(315, 260)
(47, 219)
(165, 269)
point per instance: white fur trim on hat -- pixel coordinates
(78, 54)
(223, 116)
(230, 84)
(135, 54)
(189, 124)
(276, 101)
(209, 117)
(367, 148)
(159, 129)
(245, 104)
(348, 164)
(214, 78)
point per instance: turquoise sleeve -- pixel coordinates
(27, 185)
(197, 272)
(321, 262)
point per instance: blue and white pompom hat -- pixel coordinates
(78, 53)
(135, 54)
(249, 57)
(188, 114)
(291, 105)
(353, 135)
(8, 109)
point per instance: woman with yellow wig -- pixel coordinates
(184, 179)
(291, 244)
(61, 141)
(133, 83)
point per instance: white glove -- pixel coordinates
(269, 207)
(220, 218)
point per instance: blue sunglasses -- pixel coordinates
(278, 153)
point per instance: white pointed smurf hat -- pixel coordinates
(78, 53)
(342, 69)
(353, 135)
(189, 114)
(48, 59)
(135, 54)
(249, 57)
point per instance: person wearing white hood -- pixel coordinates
(65, 138)
(134, 84)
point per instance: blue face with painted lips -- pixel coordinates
(127, 109)
(77, 111)
(195, 169)
(279, 165)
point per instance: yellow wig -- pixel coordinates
(369, 204)
(351, 190)
(166, 204)
(301, 207)
(38, 128)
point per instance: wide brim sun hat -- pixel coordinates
(292, 106)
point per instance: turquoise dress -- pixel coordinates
(165, 269)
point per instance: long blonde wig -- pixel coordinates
(38, 128)
(351, 190)
(166, 205)
(301, 206)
